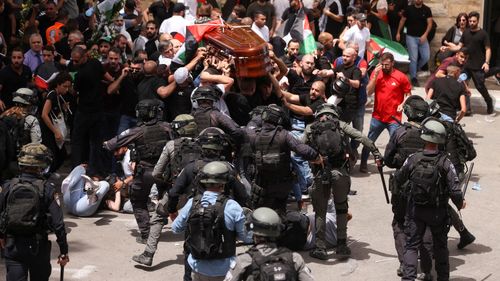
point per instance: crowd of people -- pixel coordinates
(203, 147)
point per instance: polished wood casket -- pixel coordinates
(242, 46)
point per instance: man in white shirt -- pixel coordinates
(177, 22)
(359, 34)
(259, 25)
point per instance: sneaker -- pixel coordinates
(489, 107)
(342, 251)
(363, 167)
(399, 271)
(91, 186)
(144, 258)
(466, 238)
(424, 276)
(414, 82)
(353, 192)
(319, 253)
(141, 240)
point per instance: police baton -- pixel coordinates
(61, 276)
(381, 172)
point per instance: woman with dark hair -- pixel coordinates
(453, 35)
(55, 109)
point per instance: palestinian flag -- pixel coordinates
(193, 38)
(301, 31)
(380, 45)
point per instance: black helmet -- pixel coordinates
(416, 108)
(149, 109)
(341, 87)
(206, 93)
(434, 108)
(215, 172)
(274, 114)
(327, 108)
(266, 222)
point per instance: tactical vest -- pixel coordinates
(327, 138)
(278, 266)
(203, 119)
(428, 180)
(410, 143)
(186, 150)
(207, 235)
(459, 147)
(150, 146)
(272, 158)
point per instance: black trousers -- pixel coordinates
(27, 256)
(478, 77)
(139, 195)
(86, 142)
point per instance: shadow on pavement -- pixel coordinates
(105, 219)
(163, 264)
(69, 226)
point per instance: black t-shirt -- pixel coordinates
(63, 48)
(148, 86)
(332, 26)
(416, 20)
(11, 81)
(352, 72)
(375, 26)
(267, 9)
(297, 83)
(305, 100)
(55, 100)
(89, 86)
(179, 102)
(110, 101)
(128, 96)
(5, 23)
(476, 42)
(290, 15)
(160, 12)
(447, 92)
(44, 22)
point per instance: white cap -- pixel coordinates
(382, 4)
(181, 75)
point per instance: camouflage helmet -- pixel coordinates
(327, 108)
(212, 138)
(185, 125)
(35, 155)
(265, 222)
(215, 172)
(433, 131)
(25, 96)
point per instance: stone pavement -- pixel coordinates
(101, 247)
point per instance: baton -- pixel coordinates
(468, 179)
(61, 276)
(379, 167)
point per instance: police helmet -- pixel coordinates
(35, 155)
(341, 86)
(185, 125)
(434, 108)
(25, 96)
(327, 108)
(206, 93)
(274, 114)
(265, 222)
(416, 108)
(212, 138)
(149, 109)
(215, 172)
(433, 131)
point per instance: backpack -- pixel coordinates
(426, 180)
(278, 266)
(327, 139)
(186, 150)
(16, 133)
(464, 146)
(410, 143)
(23, 214)
(270, 158)
(207, 236)
(294, 235)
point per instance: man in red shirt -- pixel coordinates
(391, 87)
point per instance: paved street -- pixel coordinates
(101, 247)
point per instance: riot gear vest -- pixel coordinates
(272, 157)
(149, 147)
(410, 143)
(203, 118)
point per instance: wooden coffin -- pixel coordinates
(243, 46)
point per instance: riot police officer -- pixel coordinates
(271, 146)
(206, 115)
(328, 135)
(146, 142)
(432, 182)
(29, 207)
(265, 260)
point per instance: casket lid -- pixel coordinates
(237, 41)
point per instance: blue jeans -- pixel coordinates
(300, 165)
(376, 128)
(357, 123)
(126, 122)
(75, 199)
(419, 54)
(447, 118)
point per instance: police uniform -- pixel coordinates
(334, 179)
(211, 117)
(240, 269)
(32, 253)
(419, 217)
(271, 188)
(147, 142)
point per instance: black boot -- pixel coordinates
(342, 250)
(144, 258)
(319, 253)
(466, 238)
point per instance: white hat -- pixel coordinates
(181, 75)
(381, 4)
